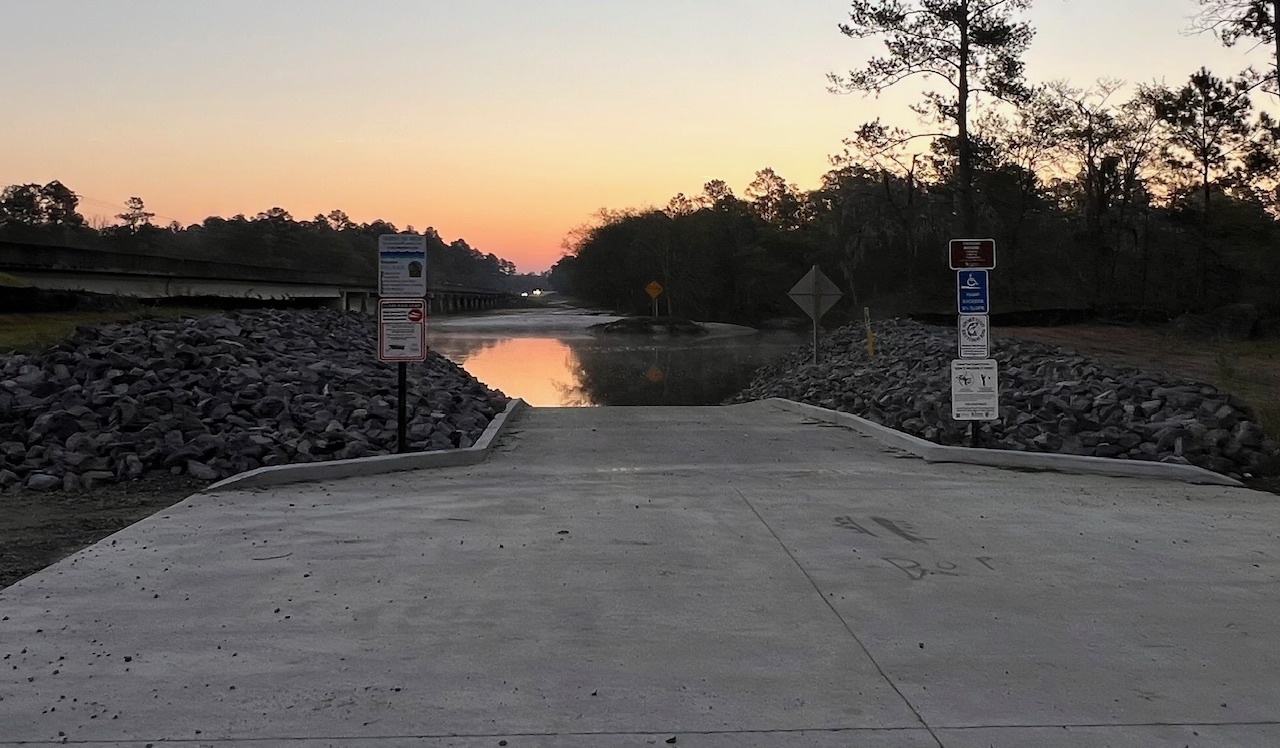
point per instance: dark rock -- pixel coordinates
(201, 471)
(43, 482)
(58, 425)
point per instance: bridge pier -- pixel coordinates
(357, 301)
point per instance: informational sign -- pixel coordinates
(402, 330)
(975, 393)
(974, 336)
(654, 289)
(815, 293)
(973, 254)
(402, 266)
(972, 296)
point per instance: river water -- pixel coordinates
(550, 357)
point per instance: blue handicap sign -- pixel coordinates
(971, 292)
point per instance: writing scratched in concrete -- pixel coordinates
(916, 571)
(904, 530)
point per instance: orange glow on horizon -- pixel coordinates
(485, 131)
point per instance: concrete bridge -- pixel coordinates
(155, 276)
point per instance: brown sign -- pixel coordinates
(654, 289)
(973, 254)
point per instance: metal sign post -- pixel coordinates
(816, 294)
(975, 394)
(402, 315)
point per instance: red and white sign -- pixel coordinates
(973, 254)
(402, 330)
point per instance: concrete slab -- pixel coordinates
(724, 576)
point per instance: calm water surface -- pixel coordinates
(549, 357)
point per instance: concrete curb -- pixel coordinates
(277, 475)
(1010, 459)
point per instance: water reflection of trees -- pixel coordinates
(664, 372)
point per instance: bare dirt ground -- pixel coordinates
(38, 528)
(1147, 348)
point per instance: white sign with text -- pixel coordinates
(402, 330)
(975, 391)
(402, 266)
(974, 333)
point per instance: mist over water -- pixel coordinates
(550, 358)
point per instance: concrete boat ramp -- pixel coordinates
(722, 577)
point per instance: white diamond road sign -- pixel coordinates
(815, 293)
(974, 336)
(975, 394)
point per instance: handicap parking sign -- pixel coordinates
(971, 292)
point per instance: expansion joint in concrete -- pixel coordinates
(852, 634)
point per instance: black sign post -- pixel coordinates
(402, 411)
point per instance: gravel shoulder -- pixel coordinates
(1052, 399)
(39, 528)
(117, 421)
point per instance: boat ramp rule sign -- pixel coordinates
(975, 394)
(402, 330)
(402, 266)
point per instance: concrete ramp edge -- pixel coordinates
(333, 469)
(1009, 459)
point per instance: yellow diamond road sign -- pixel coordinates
(654, 289)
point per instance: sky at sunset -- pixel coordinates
(501, 122)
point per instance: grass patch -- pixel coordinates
(33, 333)
(9, 281)
(1251, 370)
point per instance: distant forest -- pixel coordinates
(49, 214)
(1146, 201)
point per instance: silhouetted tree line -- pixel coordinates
(49, 214)
(1148, 201)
